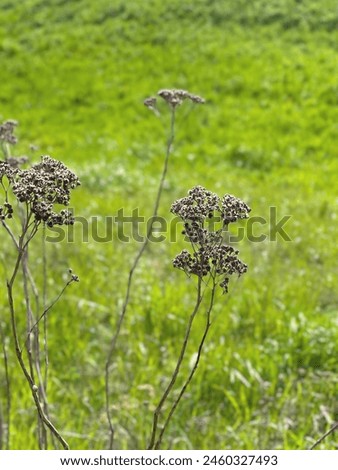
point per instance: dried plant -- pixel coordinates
(213, 262)
(174, 98)
(31, 197)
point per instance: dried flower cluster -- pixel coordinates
(6, 211)
(210, 256)
(7, 170)
(7, 131)
(16, 162)
(174, 98)
(40, 187)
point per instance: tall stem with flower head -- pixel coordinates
(173, 98)
(35, 191)
(213, 262)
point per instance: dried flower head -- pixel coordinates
(49, 181)
(176, 97)
(16, 162)
(233, 209)
(150, 102)
(6, 211)
(41, 186)
(7, 131)
(7, 170)
(210, 256)
(201, 204)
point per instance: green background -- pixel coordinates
(75, 74)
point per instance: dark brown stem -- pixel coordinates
(181, 356)
(144, 245)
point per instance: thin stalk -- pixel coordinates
(8, 388)
(50, 306)
(139, 254)
(18, 350)
(324, 436)
(29, 314)
(44, 380)
(172, 382)
(43, 437)
(35, 328)
(1, 428)
(11, 234)
(44, 305)
(193, 370)
(32, 346)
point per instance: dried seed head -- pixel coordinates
(49, 181)
(210, 256)
(150, 102)
(197, 206)
(6, 211)
(16, 162)
(41, 186)
(233, 209)
(175, 97)
(7, 131)
(7, 170)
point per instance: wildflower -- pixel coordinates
(50, 181)
(210, 256)
(176, 97)
(197, 205)
(150, 102)
(7, 170)
(6, 131)
(16, 162)
(41, 186)
(6, 211)
(233, 209)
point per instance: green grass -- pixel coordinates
(75, 75)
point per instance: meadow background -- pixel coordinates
(74, 74)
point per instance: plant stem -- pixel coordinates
(34, 389)
(44, 305)
(50, 306)
(29, 314)
(32, 347)
(324, 436)
(139, 254)
(8, 387)
(167, 391)
(193, 370)
(11, 234)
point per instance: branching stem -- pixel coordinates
(22, 245)
(180, 359)
(193, 370)
(139, 254)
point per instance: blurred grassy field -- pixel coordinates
(75, 73)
